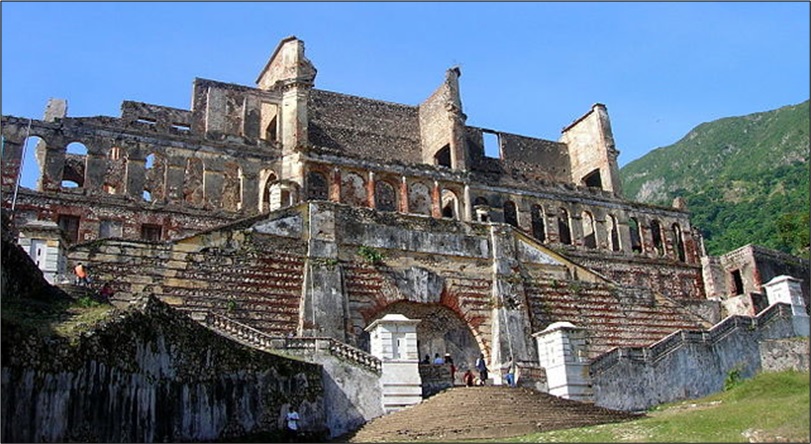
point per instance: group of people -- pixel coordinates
(468, 378)
(82, 277)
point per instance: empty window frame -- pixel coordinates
(564, 230)
(737, 282)
(510, 213)
(443, 157)
(70, 226)
(151, 232)
(636, 235)
(538, 225)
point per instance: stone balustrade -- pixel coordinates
(264, 341)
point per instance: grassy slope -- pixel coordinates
(745, 179)
(772, 407)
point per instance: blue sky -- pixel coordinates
(527, 68)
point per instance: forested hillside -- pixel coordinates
(745, 179)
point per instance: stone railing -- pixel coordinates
(678, 339)
(263, 341)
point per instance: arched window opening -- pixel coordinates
(419, 199)
(613, 233)
(678, 243)
(353, 190)
(589, 233)
(76, 148)
(385, 196)
(656, 236)
(538, 225)
(450, 204)
(75, 163)
(31, 169)
(481, 209)
(272, 131)
(564, 231)
(443, 156)
(317, 186)
(267, 190)
(636, 235)
(593, 180)
(510, 213)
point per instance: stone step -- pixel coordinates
(461, 413)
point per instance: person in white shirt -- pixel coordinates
(292, 423)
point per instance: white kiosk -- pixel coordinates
(562, 352)
(393, 340)
(787, 290)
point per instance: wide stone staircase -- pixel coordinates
(464, 413)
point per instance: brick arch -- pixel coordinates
(441, 330)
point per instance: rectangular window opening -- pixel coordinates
(492, 144)
(147, 120)
(151, 232)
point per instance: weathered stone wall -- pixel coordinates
(687, 364)
(352, 394)
(785, 354)
(364, 128)
(150, 375)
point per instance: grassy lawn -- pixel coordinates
(772, 407)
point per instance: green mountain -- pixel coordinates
(745, 179)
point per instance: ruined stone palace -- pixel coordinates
(293, 210)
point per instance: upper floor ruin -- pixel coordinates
(159, 173)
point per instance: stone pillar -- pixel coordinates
(436, 201)
(335, 185)
(370, 190)
(404, 195)
(324, 307)
(393, 339)
(562, 352)
(510, 323)
(787, 290)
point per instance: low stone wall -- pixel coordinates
(785, 354)
(150, 374)
(686, 364)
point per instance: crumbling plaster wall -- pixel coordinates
(150, 375)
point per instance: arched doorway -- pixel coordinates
(441, 330)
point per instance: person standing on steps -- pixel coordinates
(438, 359)
(81, 275)
(292, 424)
(481, 366)
(449, 360)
